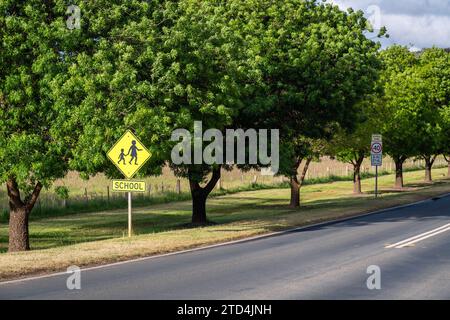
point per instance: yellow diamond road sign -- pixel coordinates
(129, 154)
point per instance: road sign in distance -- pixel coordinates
(376, 148)
(376, 160)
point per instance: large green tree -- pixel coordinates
(31, 155)
(352, 146)
(395, 122)
(152, 68)
(445, 114)
(445, 137)
(304, 151)
(316, 63)
(413, 106)
(432, 91)
(111, 83)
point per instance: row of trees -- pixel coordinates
(303, 67)
(410, 107)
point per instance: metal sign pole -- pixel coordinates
(129, 215)
(376, 181)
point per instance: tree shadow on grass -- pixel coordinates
(85, 229)
(71, 231)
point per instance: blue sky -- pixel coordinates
(415, 23)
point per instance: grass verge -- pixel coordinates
(98, 238)
(75, 206)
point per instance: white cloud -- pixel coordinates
(417, 23)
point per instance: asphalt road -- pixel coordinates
(323, 262)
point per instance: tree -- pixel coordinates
(396, 122)
(415, 97)
(352, 147)
(445, 114)
(152, 68)
(31, 155)
(199, 76)
(433, 93)
(445, 137)
(303, 150)
(109, 83)
(316, 64)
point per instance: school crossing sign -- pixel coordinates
(129, 154)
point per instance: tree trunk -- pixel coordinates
(448, 165)
(357, 179)
(19, 215)
(199, 208)
(18, 230)
(399, 172)
(447, 158)
(357, 174)
(199, 196)
(296, 184)
(429, 161)
(295, 192)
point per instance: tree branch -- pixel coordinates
(213, 181)
(34, 196)
(14, 193)
(297, 164)
(305, 170)
(433, 159)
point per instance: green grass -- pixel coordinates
(75, 224)
(99, 237)
(80, 205)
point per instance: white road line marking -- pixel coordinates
(419, 237)
(423, 238)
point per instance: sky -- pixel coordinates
(415, 23)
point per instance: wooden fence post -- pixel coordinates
(178, 186)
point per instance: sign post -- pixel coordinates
(130, 225)
(376, 156)
(129, 155)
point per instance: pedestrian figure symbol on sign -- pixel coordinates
(122, 157)
(133, 150)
